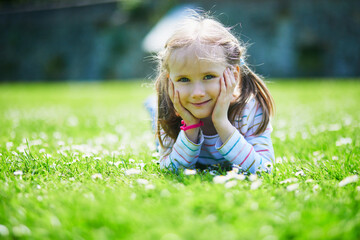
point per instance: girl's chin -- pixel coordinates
(202, 115)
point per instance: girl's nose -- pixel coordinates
(198, 90)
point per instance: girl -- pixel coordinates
(212, 109)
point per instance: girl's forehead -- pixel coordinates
(187, 56)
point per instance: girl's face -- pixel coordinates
(197, 80)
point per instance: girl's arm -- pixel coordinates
(251, 152)
(182, 154)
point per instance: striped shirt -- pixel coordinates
(243, 148)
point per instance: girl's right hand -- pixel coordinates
(183, 112)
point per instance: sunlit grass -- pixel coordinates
(78, 161)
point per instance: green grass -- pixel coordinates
(61, 135)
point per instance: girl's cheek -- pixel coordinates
(177, 86)
(216, 86)
(182, 91)
(185, 88)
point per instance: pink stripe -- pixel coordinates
(209, 145)
(180, 155)
(184, 151)
(206, 150)
(265, 150)
(247, 156)
(238, 153)
(164, 158)
(257, 107)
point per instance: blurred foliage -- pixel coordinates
(63, 39)
(16, 3)
(152, 10)
(106, 23)
(129, 5)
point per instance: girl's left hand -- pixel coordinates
(227, 86)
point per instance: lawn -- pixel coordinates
(78, 161)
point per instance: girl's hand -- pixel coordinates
(227, 86)
(183, 112)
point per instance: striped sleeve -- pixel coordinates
(181, 154)
(252, 152)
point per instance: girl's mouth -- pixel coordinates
(201, 103)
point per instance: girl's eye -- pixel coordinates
(207, 77)
(184, 79)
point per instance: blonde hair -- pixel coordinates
(200, 31)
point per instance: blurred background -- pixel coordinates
(92, 40)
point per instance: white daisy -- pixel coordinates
(292, 187)
(348, 180)
(97, 176)
(189, 171)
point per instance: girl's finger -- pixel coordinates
(222, 85)
(232, 73)
(178, 98)
(175, 100)
(231, 79)
(179, 102)
(179, 107)
(176, 105)
(227, 78)
(224, 76)
(171, 90)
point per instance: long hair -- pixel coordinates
(200, 31)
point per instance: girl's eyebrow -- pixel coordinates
(210, 72)
(204, 73)
(180, 76)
